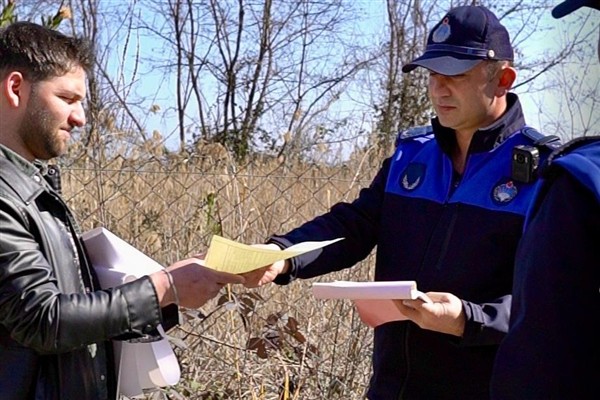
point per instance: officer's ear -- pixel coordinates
(507, 77)
(13, 89)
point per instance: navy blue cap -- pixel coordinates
(568, 6)
(465, 36)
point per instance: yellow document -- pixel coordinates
(236, 258)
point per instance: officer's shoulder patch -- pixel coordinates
(414, 132)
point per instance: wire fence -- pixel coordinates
(276, 342)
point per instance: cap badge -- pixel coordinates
(505, 192)
(442, 32)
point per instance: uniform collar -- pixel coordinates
(488, 138)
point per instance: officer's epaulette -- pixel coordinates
(414, 132)
(549, 143)
(570, 146)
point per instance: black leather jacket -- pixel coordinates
(55, 323)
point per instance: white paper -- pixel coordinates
(305, 247)
(124, 262)
(367, 290)
(374, 301)
(158, 360)
(140, 365)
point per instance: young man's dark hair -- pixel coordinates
(40, 53)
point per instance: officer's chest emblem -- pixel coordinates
(413, 176)
(504, 192)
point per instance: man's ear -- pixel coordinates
(13, 89)
(508, 75)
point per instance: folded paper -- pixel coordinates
(140, 365)
(237, 258)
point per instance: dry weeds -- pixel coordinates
(276, 342)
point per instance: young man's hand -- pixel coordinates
(194, 284)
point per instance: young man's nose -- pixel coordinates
(77, 117)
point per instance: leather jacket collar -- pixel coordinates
(43, 176)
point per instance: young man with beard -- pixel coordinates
(55, 321)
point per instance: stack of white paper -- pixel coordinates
(374, 301)
(140, 365)
(366, 290)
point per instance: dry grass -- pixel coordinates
(277, 342)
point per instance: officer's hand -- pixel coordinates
(266, 274)
(445, 314)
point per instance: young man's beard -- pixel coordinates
(40, 133)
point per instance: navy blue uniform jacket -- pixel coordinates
(458, 238)
(552, 350)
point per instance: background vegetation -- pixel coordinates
(247, 118)
(271, 343)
